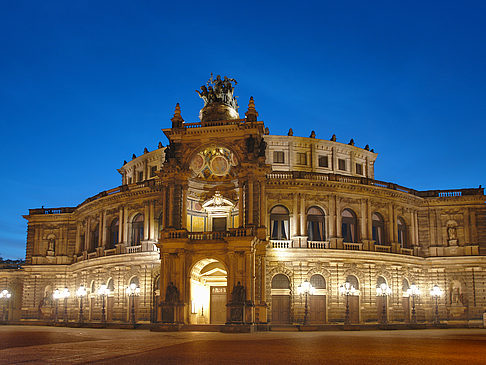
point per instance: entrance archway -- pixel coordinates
(208, 292)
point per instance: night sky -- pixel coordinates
(84, 84)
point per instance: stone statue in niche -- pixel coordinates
(456, 296)
(51, 246)
(238, 294)
(172, 293)
(452, 235)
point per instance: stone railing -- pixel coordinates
(353, 246)
(134, 249)
(291, 175)
(320, 245)
(406, 251)
(109, 252)
(281, 243)
(209, 235)
(382, 248)
(62, 210)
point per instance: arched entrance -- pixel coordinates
(317, 301)
(208, 292)
(280, 299)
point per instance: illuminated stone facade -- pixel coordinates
(224, 224)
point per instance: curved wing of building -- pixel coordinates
(228, 224)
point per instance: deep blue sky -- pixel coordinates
(84, 84)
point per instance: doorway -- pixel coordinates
(208, 292)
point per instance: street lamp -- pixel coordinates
(81, 293)
(132, 291)
(103, 292)
(383, 291)
(65, 295)
(347, 289)
(413, 291)
(5, 295)
(56, 296)
(436, 292)
(306, 288)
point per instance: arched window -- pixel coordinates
(378, 228)
(94, 239)
(279, 223)
(402, 232)
(380, 280)
(280, 281)
(405, 286)
(137, 229)
(315, 224)
(318, 281)
(353, 280)
(110, 285)
(113, 240)
(349, 226)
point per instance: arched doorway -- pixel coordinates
(353, 300)
(280, 299)
(208, 292)
(318, 300)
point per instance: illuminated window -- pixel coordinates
(301, 158)
(137, 229)
(349, 226)
(113, 240)
(278, 157)
(279, 223)
(323, 161)
(315, 224)
(402, 232)
(342, 164)
(378, 229)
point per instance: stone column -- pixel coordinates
(391, 224)
(364, 220)
(411, 236)
(101, 232)
(250, 202)
(467, 231)
(339, 232)
(241, 204)
(120, 225)
(87, 236)
(263, 200)
(152, 235)
(184, 206)
(369, 218)
(294, 226)
(126, 237)
(171, 205)
(303, 231)
(78, 240)
(331, 219)
(146, 221)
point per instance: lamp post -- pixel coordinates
(347, 289)
(132, 291)
(103, 292)
(306, 288)
(56, 296)
(65, 295)
(5, 295)
(413, 291)
(81, 293)
(383, 291)
(436, 292)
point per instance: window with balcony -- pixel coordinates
(279, 223)
(349, 226)
(402, 232)
(315, 224)
(378, 228)
(113, 236)
(137, 229)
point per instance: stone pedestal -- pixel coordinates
(171, 312)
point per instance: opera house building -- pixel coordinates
(229, 225)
